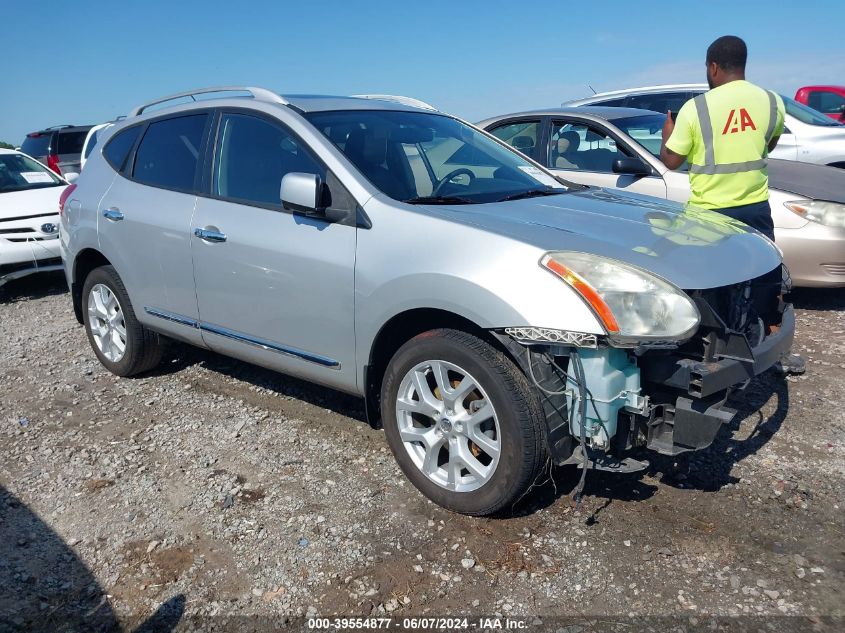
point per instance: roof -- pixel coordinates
(642, 90)
(300, 102)
(830, 87)
(62, 128)
(600, 112)
(325, 103)
(9, 151)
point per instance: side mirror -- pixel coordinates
(71, 176)
(632, 166)
(300, 192)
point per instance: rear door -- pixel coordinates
(274, 287)
(144, 221)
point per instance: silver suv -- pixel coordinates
(493, 317)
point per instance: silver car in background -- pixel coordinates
(494, 318)
(619, 148)
(809, 136)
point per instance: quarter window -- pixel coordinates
(168, 154)
(118, 148)
(252, 157)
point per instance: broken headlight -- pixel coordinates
(631, 303)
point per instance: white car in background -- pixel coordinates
(91, 141)
(809, 136)
(29, 216)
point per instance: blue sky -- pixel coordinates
(88, 61)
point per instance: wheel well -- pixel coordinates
(840, 165)
(85, 262)
(399, 330)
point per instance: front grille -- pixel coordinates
(27, 217)
(739, 309)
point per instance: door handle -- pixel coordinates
(113, 214)
(210, 235)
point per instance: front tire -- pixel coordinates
(462, 421)
(121, 343)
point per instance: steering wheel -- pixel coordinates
(452, 174)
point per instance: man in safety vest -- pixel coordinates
(726, 135)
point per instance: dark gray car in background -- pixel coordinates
(59, 147)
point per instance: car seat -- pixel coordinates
(565, 150)
(372, 154)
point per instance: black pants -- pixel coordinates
(766, 289)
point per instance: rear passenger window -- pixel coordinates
(522, 136)
(71, 142)
(253, 156)
(119, 146)
(168, 154)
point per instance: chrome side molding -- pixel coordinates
(271, 346)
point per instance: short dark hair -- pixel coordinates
(728, 52)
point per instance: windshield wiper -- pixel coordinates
(531, 193)
(439, 200)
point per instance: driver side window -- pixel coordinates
(577, 146)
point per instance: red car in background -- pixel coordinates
(829, 100)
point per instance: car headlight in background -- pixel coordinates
(632, 304)
(821, 211)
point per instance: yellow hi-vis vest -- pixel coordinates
(725, 133)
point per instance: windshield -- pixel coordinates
(806, 114)
(422, 158)
(646, 130)
(19, 172)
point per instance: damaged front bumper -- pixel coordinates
(667, 398)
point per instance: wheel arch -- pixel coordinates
(85, 261)
(397, 331)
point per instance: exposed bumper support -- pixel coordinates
(704, 379)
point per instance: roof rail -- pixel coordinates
(257, 93)
(408, 101)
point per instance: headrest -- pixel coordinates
(523, 142)
(568, 142)
(363, 146)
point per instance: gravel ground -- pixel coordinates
(214, 488)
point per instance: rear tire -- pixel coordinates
(463, 422)
(121, 343)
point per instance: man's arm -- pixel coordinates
(773, 143)
(667, 156)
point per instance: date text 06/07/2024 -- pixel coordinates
(416, 624)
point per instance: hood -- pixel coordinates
(14, 204)
(688, 246)
(807, 180)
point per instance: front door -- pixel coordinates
(273, 287)
(585, 153)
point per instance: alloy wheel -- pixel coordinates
(448, 425)
(105, 318)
